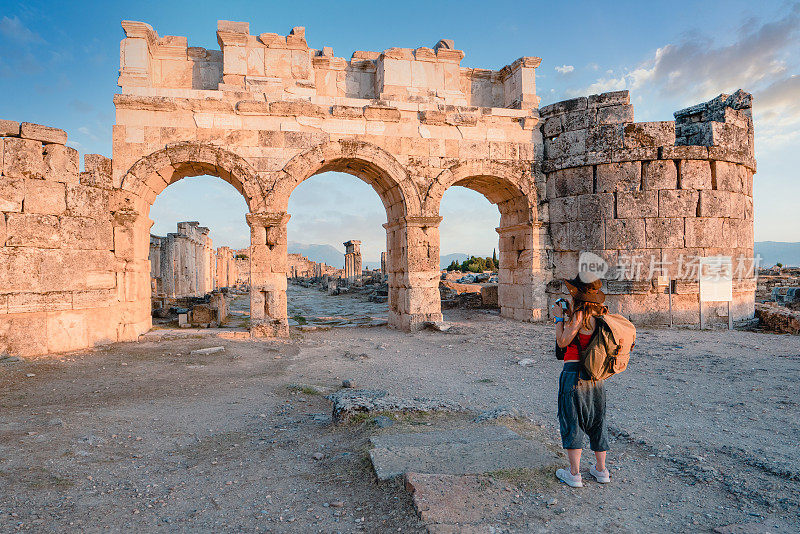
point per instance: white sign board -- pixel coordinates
(716, 279)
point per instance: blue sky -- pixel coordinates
(59, 62)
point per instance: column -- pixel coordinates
(413, 265)
(268, 266)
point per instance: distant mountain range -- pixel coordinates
(773, 252)
(318, 253)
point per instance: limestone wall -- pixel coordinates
(59, 282)
(649, 203)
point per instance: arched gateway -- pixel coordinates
(266, 112)
(410, 123)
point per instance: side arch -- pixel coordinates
(151, 174)
(372, 164)
(523, 272)
(499, 182)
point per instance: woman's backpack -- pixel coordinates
(610, 348)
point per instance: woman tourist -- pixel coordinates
(581, 401)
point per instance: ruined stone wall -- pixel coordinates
(286, 65)
(58, 279)
(242, 260)
(183, 263)
(302, 267)
(649, 203)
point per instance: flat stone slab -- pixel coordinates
(474, 451)
(439, 437)
(456, 503)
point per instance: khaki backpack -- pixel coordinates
(610, 348)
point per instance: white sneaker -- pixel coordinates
(569, 479)
(602, 477)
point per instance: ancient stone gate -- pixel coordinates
(266, 112)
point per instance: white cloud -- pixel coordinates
(13, 29)
(565, 69)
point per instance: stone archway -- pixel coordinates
(523, 272)
(412, 271)
(138, 189)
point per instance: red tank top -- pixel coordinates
(572, 354)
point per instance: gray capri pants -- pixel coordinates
(581, 409)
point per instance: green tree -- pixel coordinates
(454, 266)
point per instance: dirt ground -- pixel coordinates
(144, 436)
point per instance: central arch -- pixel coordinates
(523, 265)
(401, 199)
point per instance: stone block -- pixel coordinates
(695, 174)
(703, 232)
(24, 334)
(586, 235)
(663, 232)
(86, 234)
(2, 229)
(61, 163)
(625, 176)
(23, 158)
(381, 113)
(595, 207)
(575, 104)
(44, 197)
(604, 138)
(610, 98)
(730, 176)
(636, 204)
(552, 126)
(659, 174)
(86, 201)
(572, 181)
(97, 171)
(12, 193)
(612, 115)
(32, 230)
(9, 128)
(719, 204)
(576, 120)
(566, 144)
(677, 203)
(559, 236)
(563, 209)
(43, 134)
(737, 233)
(625, 233)
(649, 134)
(66, 331)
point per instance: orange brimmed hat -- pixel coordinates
(582, 291)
